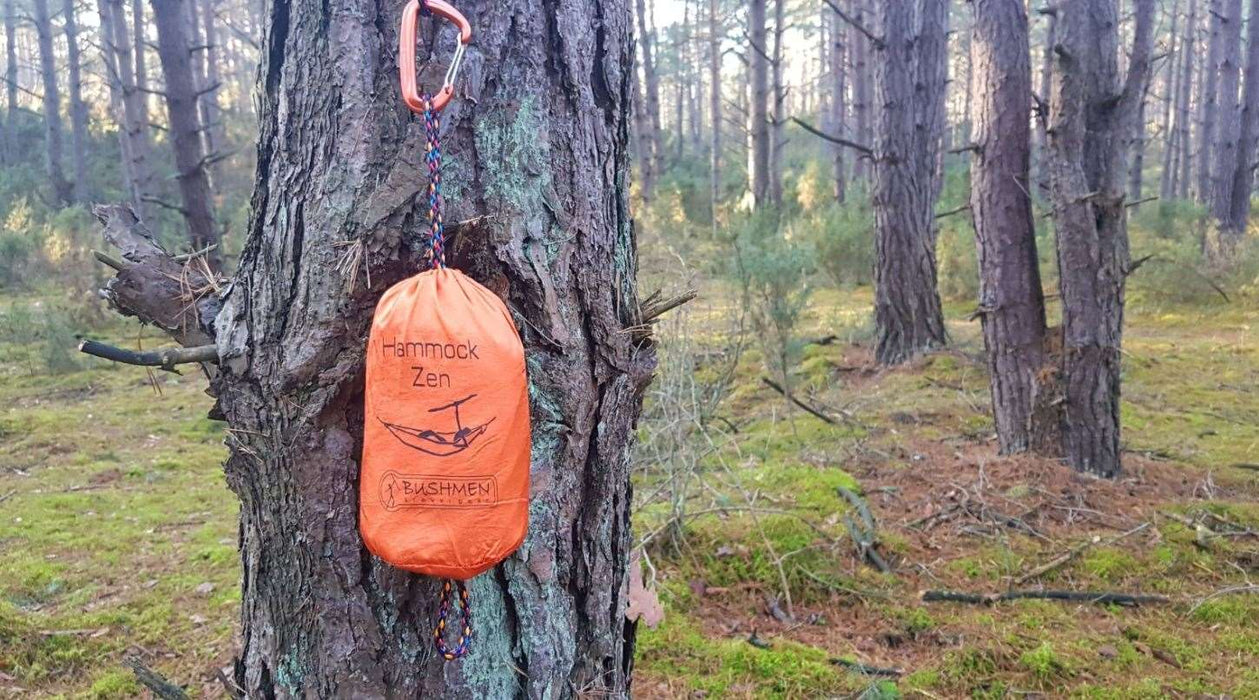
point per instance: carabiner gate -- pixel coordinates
(406, 53)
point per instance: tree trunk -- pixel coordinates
(907, 304)
(1092, 118)
(651, 105)
(859, 60)
(133, 116)
(63, 189)
(78, 109)
(778, 119)
(1208, 96)
(10, 76)
(1183, 126)
(140, 49)
(1011, 303)
(171, 17)
(1243, 172)
(715, 32)
(1170, 75)
(1042, 112)
(1228, 128)
(758, 114)
(541, 136)
(932, 48)
(1136, 169)
(213, 77)
(838, 104)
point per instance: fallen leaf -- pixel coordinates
(644, 604)
(204, 589)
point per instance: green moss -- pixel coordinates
(1043, 662)
(114, 684)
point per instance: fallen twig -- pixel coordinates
(865, 536)
(866, 669)
(166, 358)
(1096, 597)
(813, 411)
(154, 681)
(1231, 590)
(1059, 561)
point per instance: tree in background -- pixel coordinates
(182, 104)
(1011, 303)
(758, 113)
(63, 188)
(909, 93)
(1092, 119)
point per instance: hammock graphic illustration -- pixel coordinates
(440, 443)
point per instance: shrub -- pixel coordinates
(843, 237)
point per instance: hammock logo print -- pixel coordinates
(429, 491)
(441, 443)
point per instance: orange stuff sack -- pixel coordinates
(444, 486)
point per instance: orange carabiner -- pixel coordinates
(406, 53)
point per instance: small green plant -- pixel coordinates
(1043, 662)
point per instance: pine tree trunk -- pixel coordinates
(778, 118)
(537, 143)
(1183, 125)
(1011, 302)
(907, 312)
(758, 114)
(63, 189)
(1228, 128)
(859, 60)
(1042, 115)
(1136, 169)
(78, 109)
(213, 117)
(1244, 170)
(171, 18)
(1208, 101)
(1092, 118)
(10, 76)
(715, 31)
(133, 118)
(838, 105)
(1170, 75)
(653, 149)
(140, 51)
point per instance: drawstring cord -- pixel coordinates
(436, 252)
(460, 649)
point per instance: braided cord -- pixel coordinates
(437, 225)
(460, 649)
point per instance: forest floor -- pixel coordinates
(118, 534)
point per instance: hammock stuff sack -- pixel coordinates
(444, 481)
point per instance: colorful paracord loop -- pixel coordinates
(465, 636)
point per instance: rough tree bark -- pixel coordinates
(1228, 126)
(1011, 303)
(932, 57)
(1234, 227)
(1092, 117)
(540, 124)
(78, 109)
(758, 114)
(651, 104)
(1208, 104)
(715, 33)
(63, 189)
(1183, 126)
(173, 48)
(907, 310)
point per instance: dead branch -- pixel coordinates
(811, 410)
(1231, 590)
(865, 536)
(155, 681)
(876, 40)
(165, 358)
(866, 669)
(1075, 552)
(1095, 597)
(832, 138)
(951, 212)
